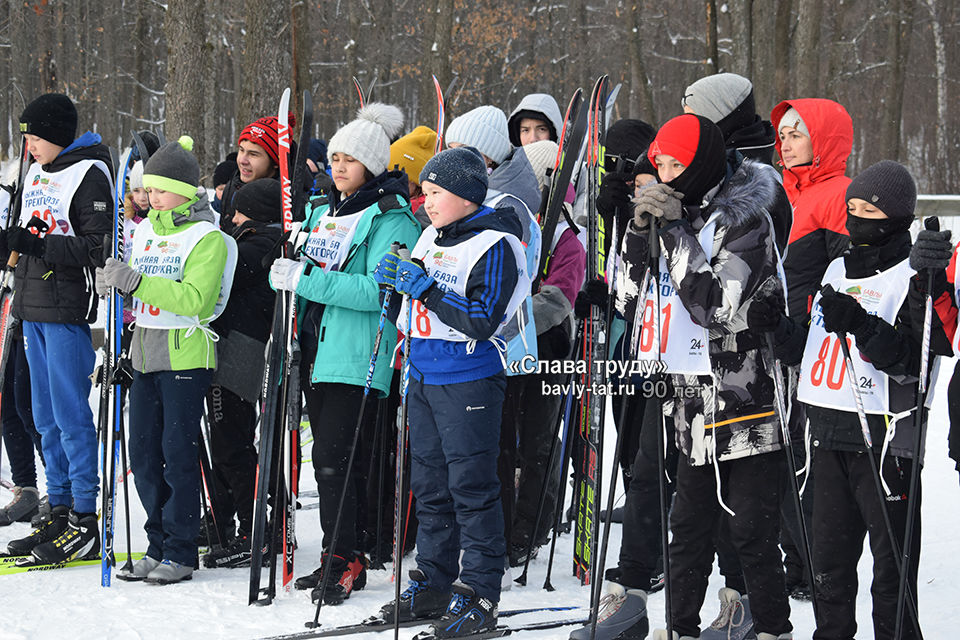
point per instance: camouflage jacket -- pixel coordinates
(729, 414)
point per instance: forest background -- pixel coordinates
(208, 67)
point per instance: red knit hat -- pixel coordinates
(679, 138)
(263, 132)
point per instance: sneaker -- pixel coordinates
(466, 614)
(622, 614)
(418, 600)
(518, 553)
(232, 556)
(141, 569)
(43, 512)
(46, 531)
(734, 621)
(25, 505)
(169, 572)
(80, 540)
(350, 576)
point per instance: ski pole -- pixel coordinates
(868, 441)
(779, 395)
(566, 448)
(325, 577)
(398, 541)
(931, 224)
(377, 458)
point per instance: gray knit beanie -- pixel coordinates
(484, 129)
(715, 97)
(542, 155)
(173, 168)
(888, 186)
(460, 171)
(368, 137)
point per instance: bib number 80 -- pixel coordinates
(824, 371)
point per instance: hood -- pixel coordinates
(538, 103)
(388, 182)
(87, 147)
(748, 194)
(754, 141)
(516, 177)
(502, 219)
(196, 210)
(831, 134)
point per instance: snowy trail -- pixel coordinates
(71, 603)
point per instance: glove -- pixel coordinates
(25, 242)
(412, 279)
(4, 249)
(118, 275)
(100, 283)
(593, 294)
(765, 314)
(931, 250)
(285, 274)
(658, 201)
(841, 313)
(614, 193)
(386, 271)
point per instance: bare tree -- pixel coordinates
(808, 48)
(187, 72)
(267, 59)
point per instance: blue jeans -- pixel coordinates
(61, 360)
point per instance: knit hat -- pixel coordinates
(174, 168)
(484, 129)
(150, 141)
(460, 171)
(368, 137)
(223, 172)
(412, 151)
(697, 143)
(542, 155)
(317, 151)
(260, 200)
(264, 132)
(717, 96)
(888, 186)
(792, 119)
(52, 117)
(627, 139)
(135, 175)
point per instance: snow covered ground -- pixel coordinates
(70, 602)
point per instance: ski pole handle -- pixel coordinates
(402, 251)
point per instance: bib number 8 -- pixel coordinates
(422, 319)
(823, 371)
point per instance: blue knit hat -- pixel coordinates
(460, 171)
(485, 129)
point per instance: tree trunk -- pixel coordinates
(782, 42)
(742, 20)
(267, 61)
(187, 70)
(808, 49)
(899, 28)
(712, 62)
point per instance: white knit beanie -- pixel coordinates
(368, 137)
(542, 155)
(792, 119)
(135, 175)
(483, 128)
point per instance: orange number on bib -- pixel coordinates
(423, 320)
(821, 369)
(647, 328)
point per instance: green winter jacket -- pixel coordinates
(195, 295)
(351, 313)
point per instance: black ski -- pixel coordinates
(377, 625)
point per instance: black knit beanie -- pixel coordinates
(461, 171)
(52, 117)
(888, 186)
(224, 171)
(627, 139)
(260, 200)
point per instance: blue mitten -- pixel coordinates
(412, 279)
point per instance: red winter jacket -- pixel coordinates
(818, 194)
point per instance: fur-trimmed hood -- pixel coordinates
(750, 193)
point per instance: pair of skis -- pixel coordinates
(280, 409)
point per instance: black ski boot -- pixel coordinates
(80, 540)
(346, 576)
(232, 556)
(418, 601)
(466, 614)
(48, 530)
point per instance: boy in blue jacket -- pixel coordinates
(465, 279)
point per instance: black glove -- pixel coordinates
(4, 249)
(615, 193)
(594, 293)
(841, 313)
(931, 250)
(25, 242)
(765, 314)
